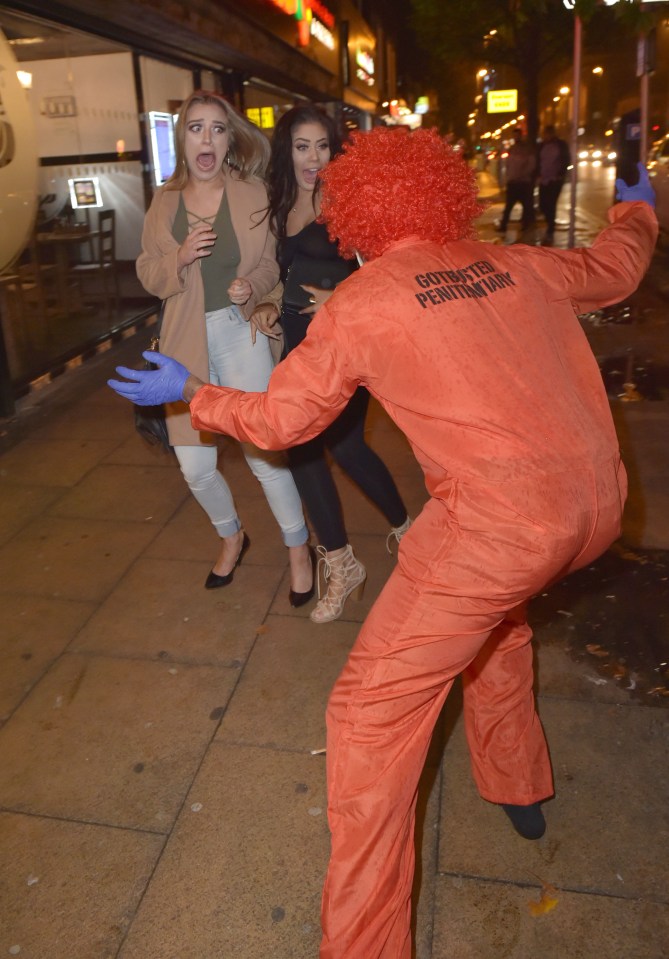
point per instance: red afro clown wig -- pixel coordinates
(390, 184)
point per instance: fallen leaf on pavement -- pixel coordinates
(596, 650)
(548, 901)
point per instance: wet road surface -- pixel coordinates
(614, 615)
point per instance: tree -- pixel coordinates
(527, 37)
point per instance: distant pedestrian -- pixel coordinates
(520, 166)
(554, 161)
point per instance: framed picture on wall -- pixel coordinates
(84, 192)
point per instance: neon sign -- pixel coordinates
(364, 66)
(321, 32)
(288, 6)
(313, 19)
(323, 14)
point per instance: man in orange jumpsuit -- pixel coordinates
(476, 352)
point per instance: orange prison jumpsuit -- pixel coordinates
(476, 353)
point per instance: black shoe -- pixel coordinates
(528, 821)
(214, 581)
(299, 599)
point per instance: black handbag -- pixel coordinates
(150, 421)
(323, 273)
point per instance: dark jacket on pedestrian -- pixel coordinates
(520, 163)
(553, 159)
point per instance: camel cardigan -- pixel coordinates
(183, 334)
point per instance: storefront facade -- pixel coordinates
(87, 99)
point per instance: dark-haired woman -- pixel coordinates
(208, 254)
(304, 140)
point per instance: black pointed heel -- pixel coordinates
(214, 581)
(299, 599)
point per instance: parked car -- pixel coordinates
(658, 171)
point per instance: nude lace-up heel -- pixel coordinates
(343, 574)
(396, 533)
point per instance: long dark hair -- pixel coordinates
(281, 182)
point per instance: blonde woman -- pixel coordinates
(208, 254)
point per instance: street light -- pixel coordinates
(598, 103)
(578, 47)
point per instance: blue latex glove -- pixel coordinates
(152, 387)
(640, 191)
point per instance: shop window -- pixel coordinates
(81, 106)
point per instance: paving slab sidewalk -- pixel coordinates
(159, 792)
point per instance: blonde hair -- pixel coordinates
(248, 149)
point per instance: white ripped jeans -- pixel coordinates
(236, 362)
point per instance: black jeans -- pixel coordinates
(518, 191)
(345, 440)
(549, 194)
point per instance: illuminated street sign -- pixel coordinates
(502, 101)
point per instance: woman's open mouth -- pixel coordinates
(206, 161)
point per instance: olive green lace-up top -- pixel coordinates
(219, 269)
